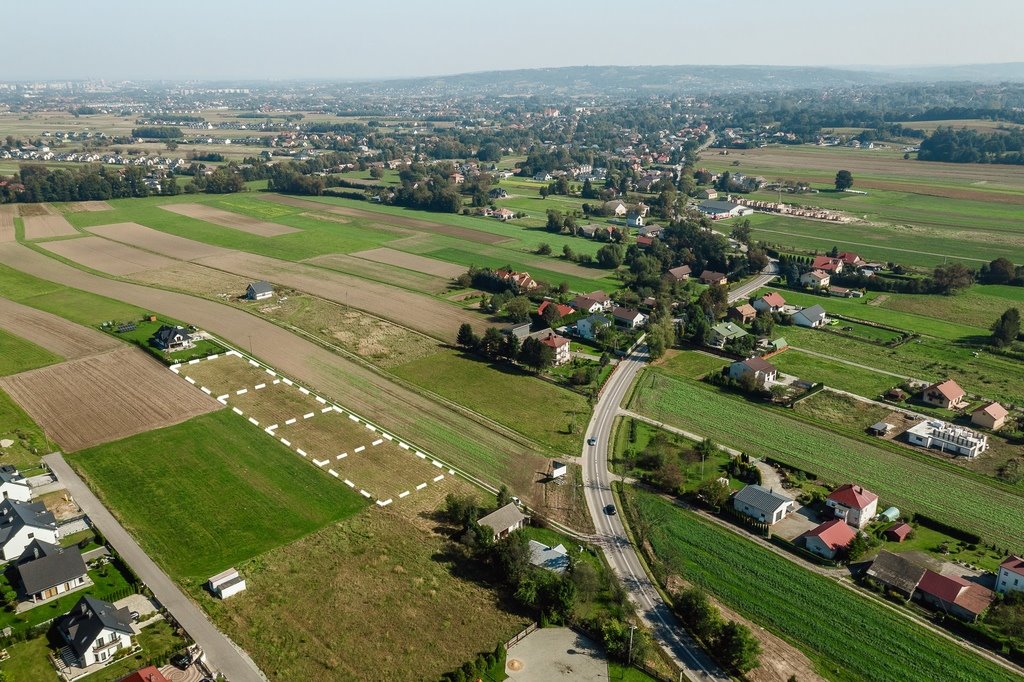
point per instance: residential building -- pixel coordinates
(954, 595)
(504, 520)
(772, 302)
(833, 266)
(47, 570)
(843, 292)
(743, 313)
(762, 504)
(521, 282)
(635, 220)
(147, 674)
(896, 573)
(816, 279)
(14, 486)
(853, 504)
(560, 308)
(650, 231)
(829, 538)
(589, 327)
(542, 176)
(763, 371)
(172, 338)
(585, 304)
(707, 194)
(1011, 575)
(717, 210)
(680, 273)
(958, 440)
(851, 260)
(945, 394)
(602, 298)
(724, 332)
(258, 291)
(991, 416)
(711, 277)
(20, 524)
(504, 214)
(644, 242)
(95, 631)
(554, 559)
(615, 208)
(812, 317)
(498, 193)
(560, 345)
(628, 318)
(226, 584)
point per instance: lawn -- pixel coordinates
(691, 364)
(19, 355)
(912, 481)
(142, 336)
(506, 394)
(803, 607)
(30, 443)
(694, 471)
(979, 306)
(835, 374)
(211, 492)
(377, 590)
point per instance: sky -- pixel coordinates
(369, 39)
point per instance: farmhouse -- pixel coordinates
(707, 194)
(259, 291)
(1011, 575)
(947, 438)
(853, 504)
(946, 394)
(589, 327)
(504, 520)
(521, 282)
(172, 338)
(554, 559)
(47, 570)
(743, 313)
(95, 631)
(614, 208)
(226, 584)
(560, 345)
(635, 220)
(724, 332)
(851, 259)
(826, 264)
(812, 317)
(954, 595)
(896, 573)
(815, 279)
(762, 504)
(991, 416)
(722, 209)
(504, 214)
(560, 308)
(14, 486)
(772, 302)
(761, 370)
(628, 318)
(710, 277)
(585, 304)
(829, 538)
(20, 524)
(680, 274)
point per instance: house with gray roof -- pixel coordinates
(554, 559)
(258, 291)
(504, 520)
(95, 631)
(762, 504)
(47, 570)
(20, 524)
(172, 338)
(896, 573)
(13, 485)
(812, 317)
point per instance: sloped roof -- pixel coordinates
(1014, 564)
(901, 530)
(261, 287)
(994, 410)
(711, 274)
(584, 303)
(54, 568)
(834, 534)
(760, 365)
(501, 520)
(15, 515)
(554, 559)
(812, 312)
(853, 496)
(88, 618)
(746, 310)
(762, 499)
(148, 674)
(956, 590)
(627, 314)
(554, 340)
(774, 299)
(729, 330)
(681, 271)
(896, 571)
(817, 274)
(949, 390)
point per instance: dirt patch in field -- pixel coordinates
(46, 226)
(7, 223)
(55, 334)
(326, 216)
(235, 221)
(105, 397)
(87, 207)
(387, 220)
(410, 261)
(389, 274)
(32, 210)
(107, 256)
(149, 239)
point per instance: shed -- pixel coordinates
(899, 532)
(226, 584)
(558, 469)
(879, 429)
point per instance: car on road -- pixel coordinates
(591, 441)
(610, 510)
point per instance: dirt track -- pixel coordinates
(102, 398)
(235, 221)
(431, 425)
(55, 334)
(107, 256)
(147, 238)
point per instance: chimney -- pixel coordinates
(35, 552)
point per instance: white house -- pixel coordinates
(504, 520)
(95, 630)
(14, 486)
(259, 291)
(772, 302)
(635, 220)
(629, 318)
(853, 504)
(1011, 576)
(172, 338)
(47, 570)
(763, 371)
(816, 279)
(589, 327)
(812, 317)
(226, 584)
(20, 524)
(933, 433)
(560, 345)
(762, 504)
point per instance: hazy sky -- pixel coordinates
(348, 39)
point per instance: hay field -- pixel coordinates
(103, 398)
(235, 221)
(42, 222)
(149, 239)
(104, 255)
(55, 334)
(409, 261)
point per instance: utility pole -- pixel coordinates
(630, 655)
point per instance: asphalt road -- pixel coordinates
(744, 291)
(221, 652)
(611, 534)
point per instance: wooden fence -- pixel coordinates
(518, 638)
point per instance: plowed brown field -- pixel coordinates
(147, 238)
(107, 256)
(55, 334)
(7, 223)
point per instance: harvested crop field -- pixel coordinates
(29, 210)
(410, 261)
(105, 397)
(235, 221)
(106, 256)
(46, 225)
(388, 220)
(194, 279)
(55, 334)
(7, 223)
(87, 206)
(370, 269)
(147, 238)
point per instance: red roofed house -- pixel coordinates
(560, 345)
(645, 241)
(991, 416)
(1011, 576)
(520, 281)
(771, 302)
(150, 674)
(763, 371)
(851, 259)
(504, 214)
(829, 538)
(954, 595)
(827, 264)
(947, 395)
(899, 532)
(562, 309)
(853, 504)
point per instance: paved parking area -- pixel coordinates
(555, 655)
(796, 523)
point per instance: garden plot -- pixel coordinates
(357, 453)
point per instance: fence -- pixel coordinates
(518, 638)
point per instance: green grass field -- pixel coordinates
(212, 492)
(19, 355)
(692, 364)
(844, 377)
(803, 607)
(979, 306)
(30, 443)
(72, 304)
(906, 479)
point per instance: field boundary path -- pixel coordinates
(222, 653)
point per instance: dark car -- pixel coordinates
(610, 510)
(181, 661)
(591, 441)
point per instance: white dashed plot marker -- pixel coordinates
(326, 410)
(303, 390)
(213, 357)
(438, 477)
(253, 421)
(405, 494)
(435, 463)
(377, 442)
(360, 448)
(300, 451)
(388, 436)
(193, 362)
(175, 368)
(309, 415)
(286, 442)
(354, 418)
(254, 363)
(289, 422)
(236, 410)
(349, 483)
(383, 503)
(320, 400)
(190, 380)
(371, 427)
(241, 391)
(404, 446)
(332, 472)
(421, 455)
(342, 456)
(271, 372)
(259, 386)
(320, 462)
(364, 494)
(205, 390)
(287, 381)
(276, 382)
(421, 486)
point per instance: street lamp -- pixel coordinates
(630, 655)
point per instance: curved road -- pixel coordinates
(611, 534)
